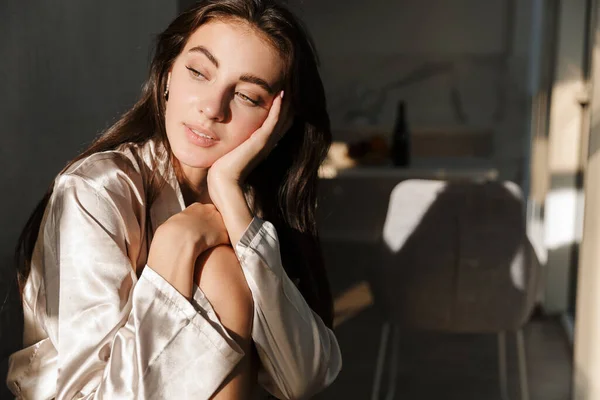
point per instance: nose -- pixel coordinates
(214, 104)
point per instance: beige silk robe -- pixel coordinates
(101, 324)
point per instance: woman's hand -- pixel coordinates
(226, 175)
(181, 239)
(200, 225)
(235, 166)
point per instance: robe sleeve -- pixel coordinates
(299, 353)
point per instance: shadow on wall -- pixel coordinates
(466, 264)
(451, 257)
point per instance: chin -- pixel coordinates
(193, 158)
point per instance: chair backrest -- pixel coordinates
(456, 257)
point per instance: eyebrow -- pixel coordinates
(257, 81)
(244, 78)
(208, 54)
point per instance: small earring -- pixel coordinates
(167, 89)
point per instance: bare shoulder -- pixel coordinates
(219, 275)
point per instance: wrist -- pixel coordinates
(235, 212)
(176, 246)
(228, 197)
(220, 188)
(174, 260)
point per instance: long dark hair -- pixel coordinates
(284, 184)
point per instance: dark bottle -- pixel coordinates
(401, 138)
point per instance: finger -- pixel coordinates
(284, 123)
(268, 126)
(274, 113)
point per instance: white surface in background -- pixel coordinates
(405, 212)
(564, 224)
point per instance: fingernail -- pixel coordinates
(282, 92)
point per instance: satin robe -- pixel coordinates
(101, 324)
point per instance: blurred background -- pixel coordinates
(452, 203)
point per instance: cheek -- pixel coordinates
(247, 122)
(177, 107)
(179, 97)
(171, 108)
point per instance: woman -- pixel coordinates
(149, 270)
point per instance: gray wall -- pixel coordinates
(467, 62)
(68, 69)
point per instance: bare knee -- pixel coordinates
(219, 275)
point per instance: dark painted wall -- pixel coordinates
(67, 70)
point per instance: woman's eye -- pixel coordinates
(196, 74)
(249, 99)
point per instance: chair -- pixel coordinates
(456, 259)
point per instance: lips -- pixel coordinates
(200, 137)
(201, 132)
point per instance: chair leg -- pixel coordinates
(523, 379)
(393, 363)
(385, 333)
(502, 365)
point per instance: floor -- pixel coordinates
(435, 366)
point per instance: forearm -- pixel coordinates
(230, 201)
(219, 276)
(174, 259)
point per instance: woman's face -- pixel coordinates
(221, 88)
